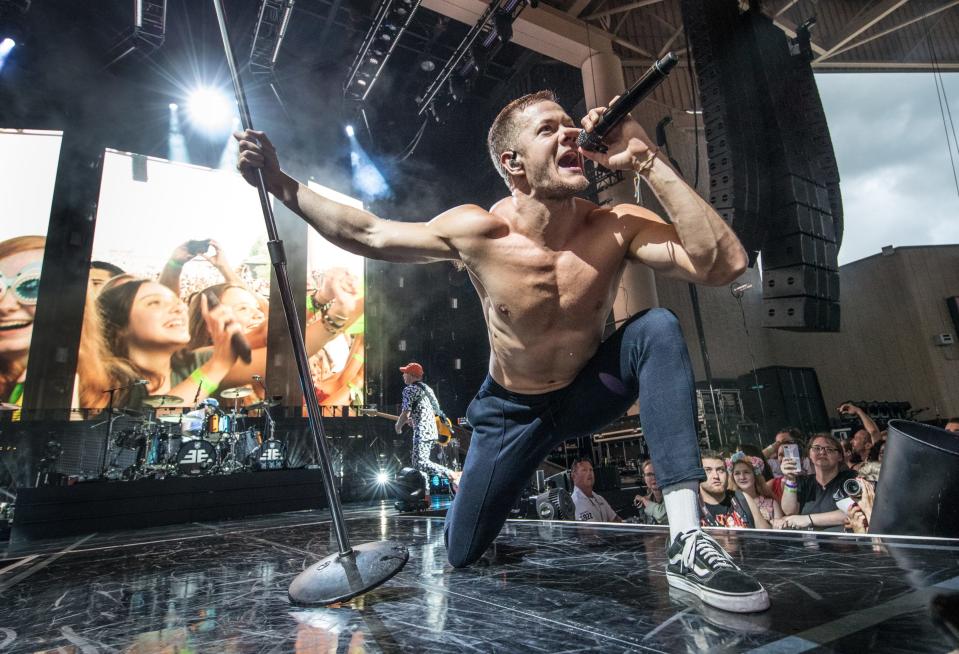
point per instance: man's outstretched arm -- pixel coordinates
(353, 229)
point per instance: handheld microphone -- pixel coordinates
(617, 111)
(241, 347)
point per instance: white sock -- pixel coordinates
(682, 507)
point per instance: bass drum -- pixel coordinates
(195, 458)
(271, 455)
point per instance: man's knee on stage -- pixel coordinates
(656, 325)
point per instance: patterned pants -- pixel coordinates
(422, 462)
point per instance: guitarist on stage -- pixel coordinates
(420, 410)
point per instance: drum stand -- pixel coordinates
(353, 570)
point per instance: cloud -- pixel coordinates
(897, 179)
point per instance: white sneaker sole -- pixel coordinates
(735, 602)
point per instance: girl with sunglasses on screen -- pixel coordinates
(21, 259)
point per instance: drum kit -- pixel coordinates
(203, 441)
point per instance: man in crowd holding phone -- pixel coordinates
(809, 501)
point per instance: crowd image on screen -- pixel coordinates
(198, 326)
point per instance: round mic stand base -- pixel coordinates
(338, 577)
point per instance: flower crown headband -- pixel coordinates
(754, 461)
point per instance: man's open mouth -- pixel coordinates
(570, 160)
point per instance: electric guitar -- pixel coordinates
(443, 429)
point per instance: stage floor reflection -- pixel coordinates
(543, 587)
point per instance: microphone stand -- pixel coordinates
(352, 570)
(269, 424)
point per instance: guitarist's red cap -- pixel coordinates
(413, 368)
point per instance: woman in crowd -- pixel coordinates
(808, 502)
(652, 506)
(21, 259)
(145, 331)
(746, 475)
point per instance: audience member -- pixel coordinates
(809, 502)
(771, 451)
(785, 436)
(863, 438)
(848, 453)
(590, 506)
(745, 474)
(21, 260)
(651, 508)
(100, 273)
(860, 513)
(952, 424)
(720, 507)
(875, 453)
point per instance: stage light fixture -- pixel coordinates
(148, 32)
(390, 21)
(210, 110)
(350, 131)
(174, 106)
(490, 33)
(382, 477)
(271, 26)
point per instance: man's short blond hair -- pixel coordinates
(506, 127)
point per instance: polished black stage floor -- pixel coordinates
(544, 587)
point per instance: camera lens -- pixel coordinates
(852, 488)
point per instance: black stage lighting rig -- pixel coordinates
(148, 33)
(492, 31)
(391, 20)
(271, 25)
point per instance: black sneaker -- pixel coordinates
(699, 565)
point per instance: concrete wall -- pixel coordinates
(893, 306)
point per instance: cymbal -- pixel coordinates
(236, 393)
(173, 418)
(264, 404)
(162, 400)
(7, 406)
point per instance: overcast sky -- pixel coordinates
(897, 183)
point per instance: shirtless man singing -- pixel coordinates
(546, 265)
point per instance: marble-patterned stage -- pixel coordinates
(544, 587)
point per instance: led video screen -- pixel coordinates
(28, 168)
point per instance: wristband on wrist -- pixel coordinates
(173, 263)
(789, 484)
(647, 163)
(333, 324)
(207, 385)
(811, 525)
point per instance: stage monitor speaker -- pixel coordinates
(920, 472)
